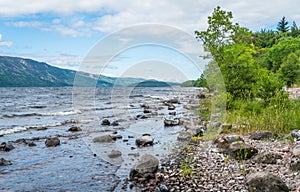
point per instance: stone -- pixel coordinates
(6, 146)
(184, 136)
(174, 100)
(105, 122)
(224, 141)
(4, 162)
(74, 129)
(52, 142)
(115, 154)
(145, 106)
(241, 151)
(296, 134)
(115, 123)
(265, 158)
(103, 139)
(172, 113)
(144, 140)
(265, 182)
(259, 135)
(171, 107)
(295, 165)
(145, 167)
(296, 150)
(172, 122)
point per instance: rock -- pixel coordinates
(241, 151)
(296, 134)
(201, 96)
(145, 106)
(144, 140)
(172, 122)
(172, 113)
(147, 111)
(105, 122)
(6, 146)
(74, 128)
(224, 141)
(114, 154)
(184, 136)
(171, 107)
(145, 167)
(143, 116)
(262, 135)
(4, 162)
(115, 123)
(174, 100)
(52, 142)
(115, 136)
(265, 182)
(296, 150)
(295, 165)
(104, 139)
(199, 131)
(265, 158)
(31, 144)
(163, 188)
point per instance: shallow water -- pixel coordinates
(79, 164)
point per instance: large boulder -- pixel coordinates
(6, 146)
(266, 158)
(145, 167)
(144, 140)
(265, 182)
(296, 134)
(52, 142)
(259, 135)
(225, 140)
(104, 139)
(241, 151)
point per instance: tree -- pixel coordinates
(282, 26)
(295, 31)
(265, 38)
(290, 69)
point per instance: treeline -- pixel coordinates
(253, 64)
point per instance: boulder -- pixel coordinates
(105, 122)
(74, 129)
(115, 123)
(241, 151)
(259, 135)
(104, 139)
(144, 140)
(296, 150)
(147, 111)
(224, 141)
(52, 142)
(295, 164)
(296, 134)
(174, 100)
(172, 122)
(114, 154)
(145, 167)
(265, 182)
(172, 113)
(4, 162)
(184, 136)
(171, 107)
(265, 158)
(6, 146)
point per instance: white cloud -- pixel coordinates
(5, 43)
(112, 15)
(24, 24)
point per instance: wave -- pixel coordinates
(57, 113)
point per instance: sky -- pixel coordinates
(63, 33)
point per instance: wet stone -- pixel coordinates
(6, 147)
(4, 162)
(114, 154)
(105, 122)
(52, 142)
(104, 139)
(74, 129)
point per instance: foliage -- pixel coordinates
(290, 69)
(265, 38)
(282, 25)
(295, 31)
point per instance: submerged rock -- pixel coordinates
(115, 123)
(144, 140)
(115, 154)
(105, 122)
(6, 146)
(265, 182)
(259, 135)
(145, 167)
(74, 129)
(104, 139)
(4, 162)
(52, 142)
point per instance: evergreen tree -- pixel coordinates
(282, 26)
(295, 31)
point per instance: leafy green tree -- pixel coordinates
(282, 26)
(265, 38)
(201, 82)
(276, 55)
(290, 69)
(295, 31)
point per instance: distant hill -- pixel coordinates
(154, 83)
(20, 72)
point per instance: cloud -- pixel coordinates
(24, 24)
(112, 15)
(5, 43)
